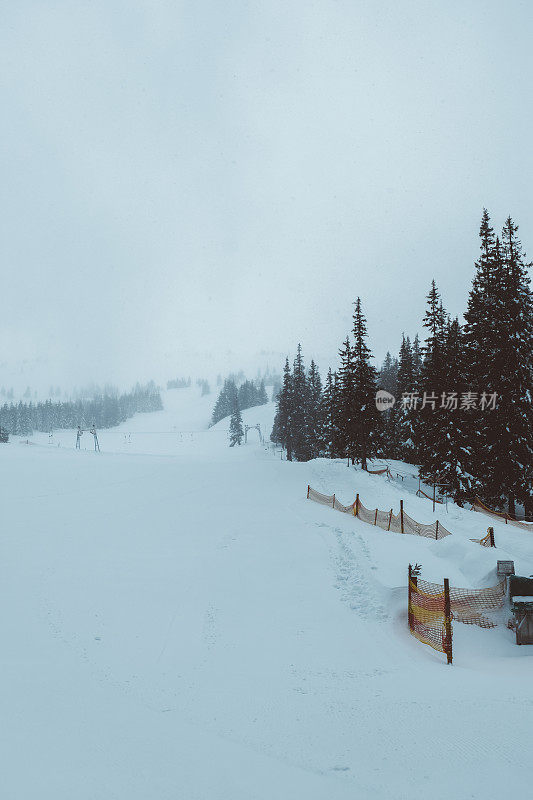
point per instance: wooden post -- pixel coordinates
(491, 534)
(448, 620)
(390, 519)
(376, 517)
(409, 598)
(411, 579)
(437, 530)
(308, 487)
(333, 501)
(357, 505)
(401, 514)
(506, 519)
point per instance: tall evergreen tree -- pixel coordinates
(405, 417)
(481, 348)
(499, 331)
(368, 429)
(388, 380)
(314, 411)
(454, 446)
(430, 429)
(236, 432)
(417, 360)
(299, 407)
(508, 429)
(388, 375)
(330, 416)
(348, 419)
(282, 430)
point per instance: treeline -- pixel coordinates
(204, 386)
(464, 396)
(231, 398)
(179, 383)
(104, 411)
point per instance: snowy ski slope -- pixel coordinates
(179, 622)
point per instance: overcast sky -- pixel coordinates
(201, 176)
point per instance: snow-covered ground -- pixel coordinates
(178, 621)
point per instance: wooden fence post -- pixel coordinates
(437, 530)
(376, 517)
(411, 579)
(357, 505)
(333, 501)
(491, 534)
(409, 598)
(308, 487)
(448, 620)
(401, 514)
(390, 519)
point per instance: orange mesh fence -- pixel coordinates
(487, 541)
(427, 616)
(385, 471)
(432, 607)
(421, 493)
(386, 520)
(470, 605)
(434, 530)
(478, 505)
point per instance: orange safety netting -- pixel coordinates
(421, 493)
(478, 505)
(385, 471)
(329, 500)
(386, 520)
(427, 617)
(487, 541)
(470, 605)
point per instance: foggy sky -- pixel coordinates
(181, 177)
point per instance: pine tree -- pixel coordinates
(368, 417)
(236, 432)
(225, 401)
(314, 411)
(403, 416)
(282, 430)
(347, 419)
(330, 416)
(499, 331)
(509, 427)
(299, 407)
(417, 361)
(454, 449)
(388, 375)
(262, 398)
(430, 428)
(388, 381)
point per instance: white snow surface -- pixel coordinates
(179, 622)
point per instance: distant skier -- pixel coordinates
(79, 434)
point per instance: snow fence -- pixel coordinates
(478, 505)
(432, 607)
(386, 520)
(487, 541)
(429, 614)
